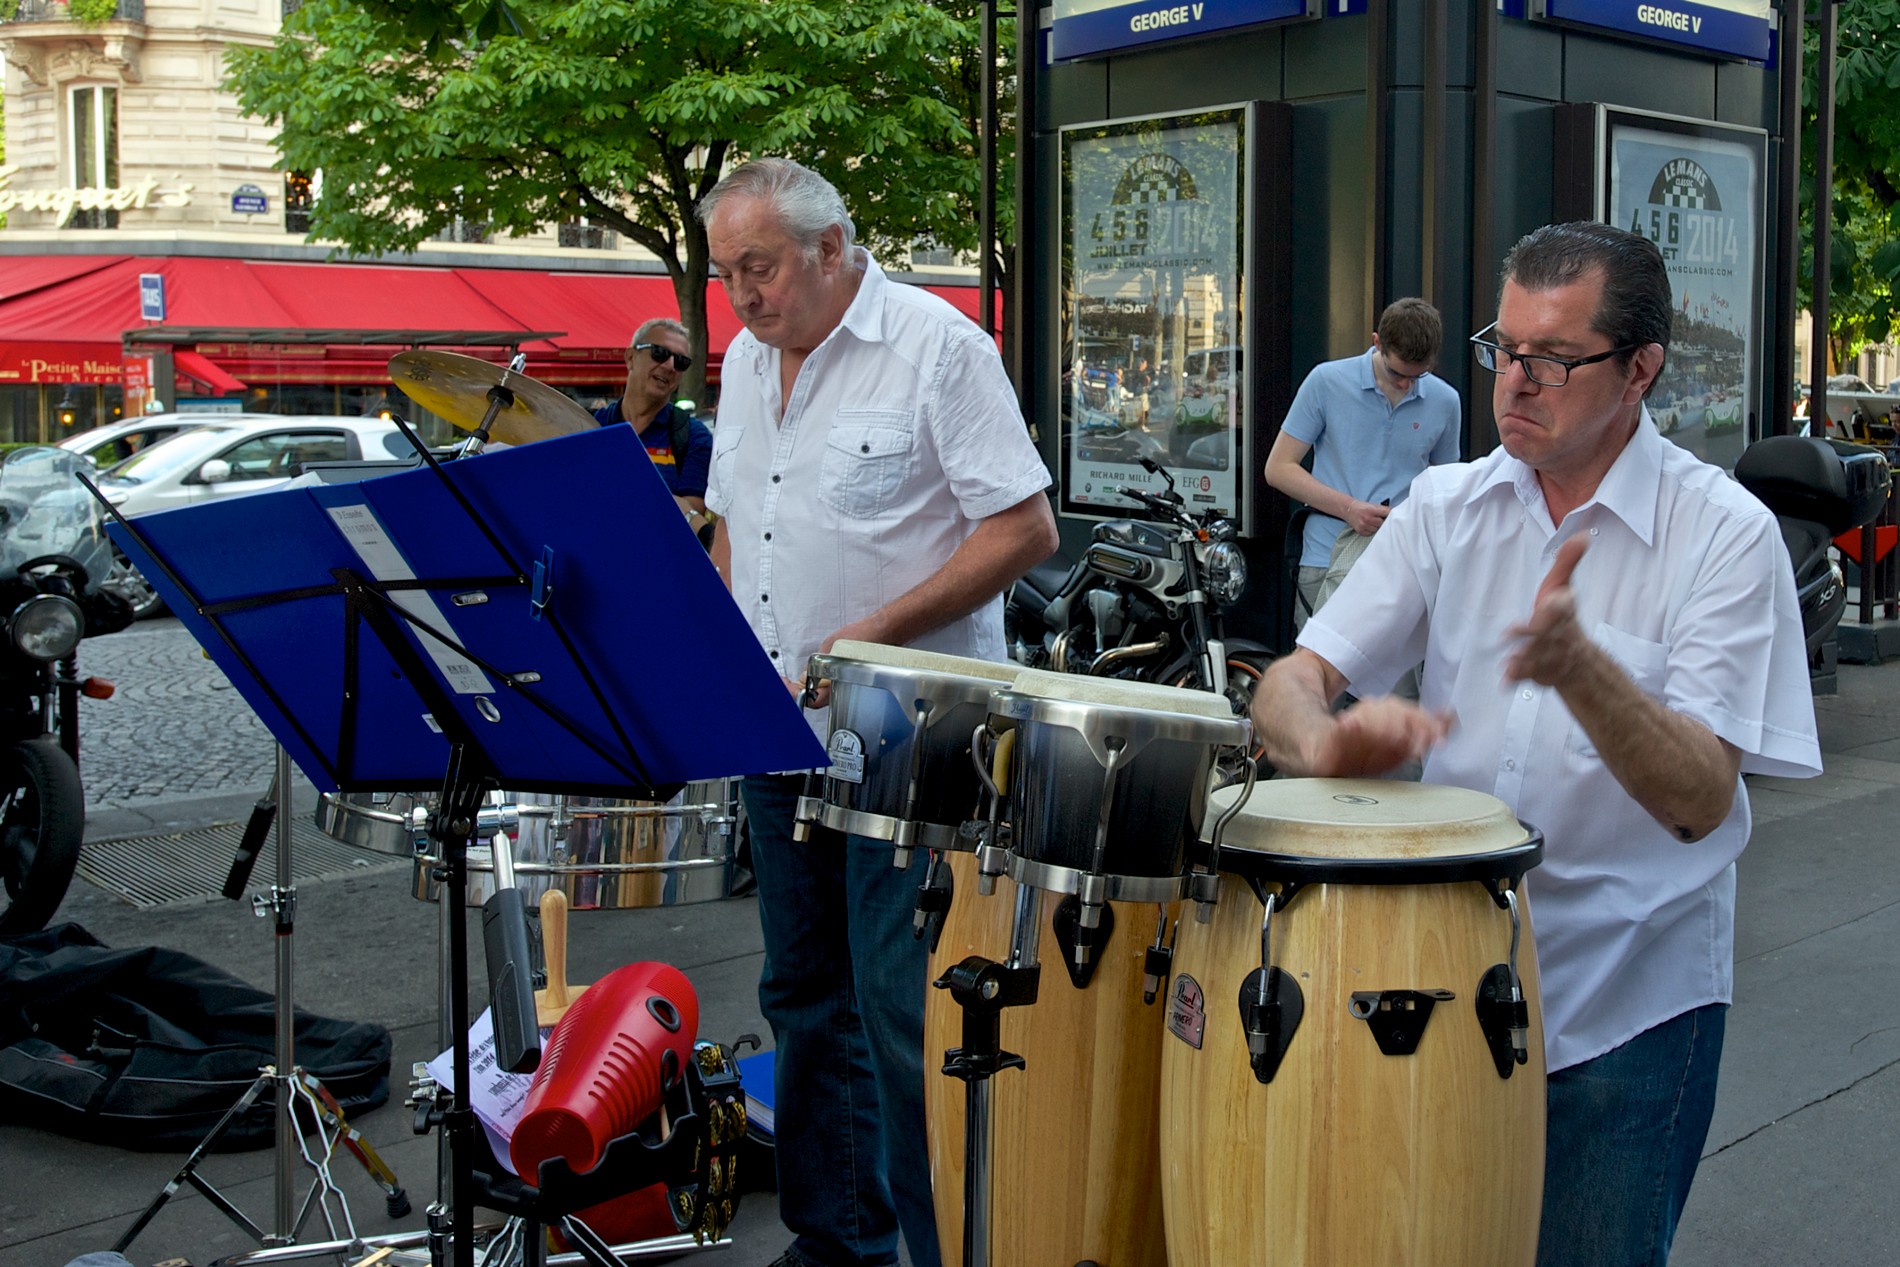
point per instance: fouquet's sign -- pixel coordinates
(63, 202)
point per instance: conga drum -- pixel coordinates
(901, 727)
(1075, 1132)
(1390, 1108)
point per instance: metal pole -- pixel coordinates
(1480, 426)
(986, 163)
(284, 897)
(1823, 210)
(1788, 220)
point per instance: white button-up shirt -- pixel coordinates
(902, 432)
(1688, 586)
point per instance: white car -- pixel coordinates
(116, 441)
(234, 455)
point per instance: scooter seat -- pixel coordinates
(1047, 579)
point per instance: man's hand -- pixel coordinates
(1553, 643)
(1365, 518)
(1375, 737)
(866, 630)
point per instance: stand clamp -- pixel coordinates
(983, 988)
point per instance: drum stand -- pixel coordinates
(983, 989)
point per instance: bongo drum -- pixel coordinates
(901, 727)
(1387, 1110)
(1075, 1140)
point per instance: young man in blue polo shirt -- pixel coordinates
(1372, 423)
(656, 358)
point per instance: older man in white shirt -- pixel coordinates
(876, 482)
(1610, 638)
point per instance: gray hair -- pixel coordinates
(804, 203)
(659, 323)
(1635, 308)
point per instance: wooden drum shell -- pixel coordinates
(1349, 1155)
(1076, 1132)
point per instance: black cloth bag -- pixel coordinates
(148, 1048)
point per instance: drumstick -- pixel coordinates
(551, 1004)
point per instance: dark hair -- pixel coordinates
(1411, 330)
(1635, 308)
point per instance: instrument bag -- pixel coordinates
(148, 1048)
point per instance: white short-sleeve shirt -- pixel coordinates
(1688, 586)
(902, 432)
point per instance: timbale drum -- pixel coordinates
(1354, 1066)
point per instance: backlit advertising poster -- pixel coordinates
(1153, 323)
(1695, 189)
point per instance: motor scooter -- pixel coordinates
(1817, 489)
(53, 555)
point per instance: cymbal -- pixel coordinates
(456, 387)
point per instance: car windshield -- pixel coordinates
(167, 456)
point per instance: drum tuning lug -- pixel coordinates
(1079, 928)
(1271, 1007)
(933, 903)
(1504, 1016)
(1157, 965)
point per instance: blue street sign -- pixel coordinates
(249, 200)
(152, 296)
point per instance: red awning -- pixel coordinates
(198, 369)
(63, 319)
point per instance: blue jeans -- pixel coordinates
(843, 989)
(1626, 1132)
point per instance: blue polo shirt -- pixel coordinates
(1365, 446)
(685, 476)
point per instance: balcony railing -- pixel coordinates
(61, 11)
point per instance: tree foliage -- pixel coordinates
(521, 113)
(1864, 255)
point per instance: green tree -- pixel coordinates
(623, 111)
(1864, 256)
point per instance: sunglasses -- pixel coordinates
(681, 361)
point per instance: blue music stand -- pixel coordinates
(539, 618)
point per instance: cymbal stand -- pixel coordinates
(983, 989)
(499, 398)
(283, 1079)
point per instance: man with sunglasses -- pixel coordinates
(1372, 422)
(1610, 639)
(659, 354)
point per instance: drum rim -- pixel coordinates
(1150, 723)
(888, 829)
(1509, 863)
(882, 676)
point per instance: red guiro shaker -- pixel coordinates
(605, 1068)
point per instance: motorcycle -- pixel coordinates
(1817, 489)
(1145, 602)
(53, 556)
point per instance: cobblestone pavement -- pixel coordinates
(174, 728)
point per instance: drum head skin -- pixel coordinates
(1118, 693)
(923, 661)
(1372, 831)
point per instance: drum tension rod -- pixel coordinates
(1503, 1012)
(933, 901)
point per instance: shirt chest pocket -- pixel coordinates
(1646, 663)
(725, 455)
(867, 459)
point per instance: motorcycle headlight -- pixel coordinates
(1224, 572)
(47, 626)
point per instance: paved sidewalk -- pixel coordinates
(1800, 1162)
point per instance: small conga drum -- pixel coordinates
(902, 721)
(1075, 1132)
(1348, 1075)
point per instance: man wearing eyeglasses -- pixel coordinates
(1372, 422)
(1610, 639)
(680, 445)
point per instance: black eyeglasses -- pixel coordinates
(681, 361)
(1545, 371)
